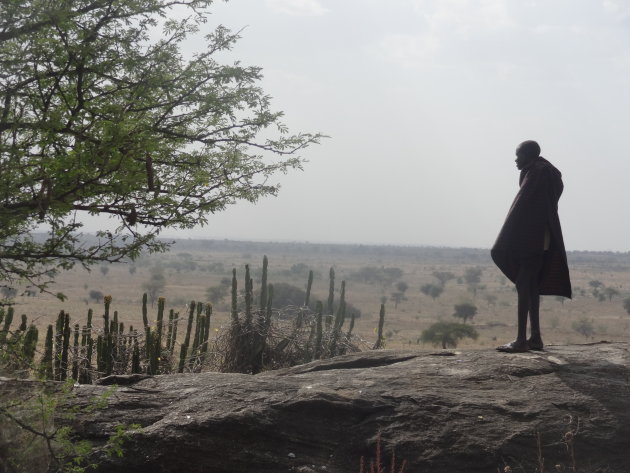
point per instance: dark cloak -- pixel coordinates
(535, 209)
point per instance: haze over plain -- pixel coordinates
(425, 102)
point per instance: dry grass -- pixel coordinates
(495, 321)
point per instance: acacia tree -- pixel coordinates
(433, 290)
(98, 117)
(472, 276)
(465, 311)
(447, 334)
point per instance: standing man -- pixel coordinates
(530, 249)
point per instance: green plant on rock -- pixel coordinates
(17, 347)
(37, 434)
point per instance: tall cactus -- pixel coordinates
(339, 319)
(155, 350)
(100, 357)
(349, 333)
(75, 353)
(248, 300)
(86, 352)
(107, 300)
(263, 285)
(234, 311)
(309, 286)
(65, 347)
(380, 341)
(199, 329)
(145, 319)
(331, 292)
(169, 333)
(331, 300)
(184, 349)
(8, 319)
(23, 324)
(341, 308)
(89, 339)
(135, 357)
(174, 335)
(30, 344)
(58, 346)
(46, 365)
(319, 330)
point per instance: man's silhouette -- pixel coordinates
(530, 249)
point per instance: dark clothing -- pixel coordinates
(522, 238)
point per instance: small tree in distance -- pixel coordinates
(610, 292)
(443, 276)
(397, 297)
(155, 285)
(584, 327)
(472, 276)
(465, 311)
(433, 290)
(447, 334)
(402, 286)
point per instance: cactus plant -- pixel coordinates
(8, 319)
(46, 365)
(263, 285)
(135, 359)
(75, 353)
(331, 293)
(64, 348)
(380, 341)
(184, 349)
(319, 330)
(248, 300)
(30, 344)
(309, 286)
(234, 312)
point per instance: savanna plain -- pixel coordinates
(418, 286)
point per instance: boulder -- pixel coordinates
(440, 411)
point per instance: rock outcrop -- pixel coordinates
(443, 412)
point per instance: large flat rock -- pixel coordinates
(444, 412)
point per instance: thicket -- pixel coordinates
(260, 337)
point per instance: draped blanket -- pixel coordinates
(534, 212)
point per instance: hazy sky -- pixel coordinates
(425, 102)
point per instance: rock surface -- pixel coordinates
(443, 412)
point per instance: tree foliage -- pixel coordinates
(433, 290)
(465, 311)
(584, 327)
(447, 334)
(376, 275)
(155, 285)
(102, 113)
(472, 276)
(443, 276)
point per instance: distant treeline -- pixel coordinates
(605, 260)
(608, 260)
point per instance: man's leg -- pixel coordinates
(535, 340)
(528, 305)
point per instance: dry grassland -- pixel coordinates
(495, 320)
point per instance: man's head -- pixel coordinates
(526, 153)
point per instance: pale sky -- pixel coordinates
(425, 102)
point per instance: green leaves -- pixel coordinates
(95, 117)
